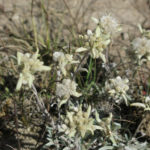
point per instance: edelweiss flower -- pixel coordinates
(117, 87)
(142, 48)
(32, 61)
(64, 61)
(31, 64)
(95, 43)
(66, 89)
(79, 122)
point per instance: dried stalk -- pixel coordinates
(40, 102)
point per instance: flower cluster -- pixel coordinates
(96, 42)
(141, 46)
(79, 122)
(66, 89)
(94, 85)
(64, 61)
(117, 88)
(31, 65)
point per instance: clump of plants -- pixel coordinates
(80, 80)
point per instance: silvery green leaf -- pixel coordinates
(138, 105)
(106, 148)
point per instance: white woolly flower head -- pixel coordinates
(141, 46)
(57, 55)
(31, 64)
(109, 24)
(32, 61)
(117, 87)
(67, 88)
(120, 85)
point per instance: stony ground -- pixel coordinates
(129, 12)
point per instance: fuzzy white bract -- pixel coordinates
(117, 88)
(31, 65)
(141, 46)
